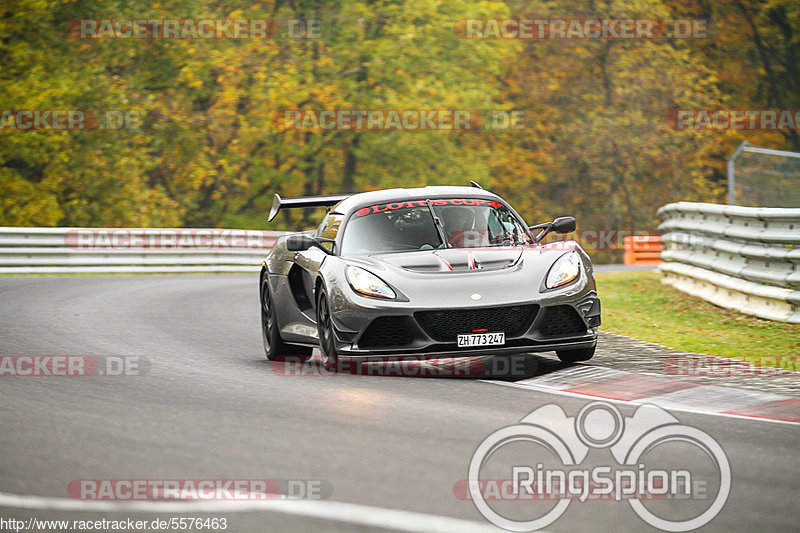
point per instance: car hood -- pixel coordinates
(507, 274)
(452, 259)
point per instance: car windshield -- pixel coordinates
(409, 225)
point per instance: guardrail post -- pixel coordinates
(731, 172)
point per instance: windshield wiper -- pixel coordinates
(438, 224)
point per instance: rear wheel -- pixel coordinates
(573, 356)
(274, 347)
(327, 342)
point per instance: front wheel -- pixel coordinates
(274, 347)
(573, 356)
(327, 341)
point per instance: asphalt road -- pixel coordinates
(206, 405)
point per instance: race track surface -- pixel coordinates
(206, 405)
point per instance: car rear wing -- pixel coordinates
(305, 201)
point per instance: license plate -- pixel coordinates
(481, 339)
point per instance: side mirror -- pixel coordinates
(559, 225)
(564, 225)
(299, 243)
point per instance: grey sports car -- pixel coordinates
(426, 272)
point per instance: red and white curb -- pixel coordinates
(669, 393)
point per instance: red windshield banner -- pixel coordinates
(438, 202)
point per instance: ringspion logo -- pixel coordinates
(519, 471)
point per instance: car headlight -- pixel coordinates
(565, 269)
(366, 282)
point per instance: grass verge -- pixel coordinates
(637, 304)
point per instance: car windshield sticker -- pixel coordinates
(380, 208)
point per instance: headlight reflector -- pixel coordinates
(565, 269)
(365, 282)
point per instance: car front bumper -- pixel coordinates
(566, 325)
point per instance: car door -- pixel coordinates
(307, 263)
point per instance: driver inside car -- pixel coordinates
(458, 224)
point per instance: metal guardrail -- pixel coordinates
(131, 250)
(742, 258)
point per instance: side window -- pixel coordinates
(330, 227)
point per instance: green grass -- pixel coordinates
(637, 304)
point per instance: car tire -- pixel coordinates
(573, 356)
(274, 347)
(327, 343)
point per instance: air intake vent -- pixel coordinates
(387, 332)
(561, 320)
(446, 325)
